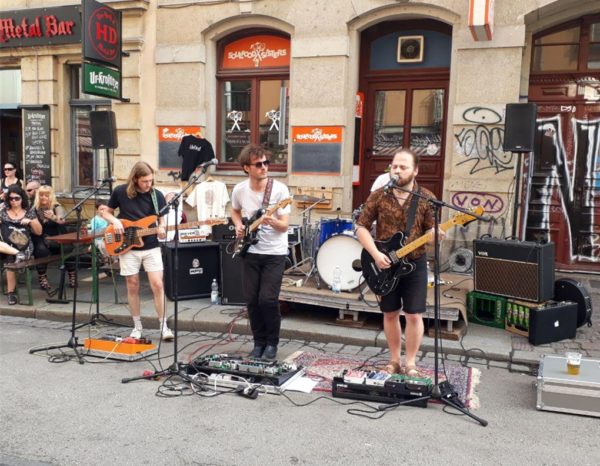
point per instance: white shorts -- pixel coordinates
(132, 261)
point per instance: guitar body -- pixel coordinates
(117, 244)
(384, 281)
(249, 239)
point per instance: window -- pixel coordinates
(253, 95)
(571, 47)
(88, 165)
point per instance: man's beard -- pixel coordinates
(404, 183)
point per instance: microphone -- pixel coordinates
(205, 165)
(112, 179)
(391, 183)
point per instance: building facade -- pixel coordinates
(333, 89)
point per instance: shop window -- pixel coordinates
(253, 87)
(10, 88)
(572, 47)
(88, 164)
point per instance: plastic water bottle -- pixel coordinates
(336, 286)
(214, 292)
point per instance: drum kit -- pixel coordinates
(327, 244)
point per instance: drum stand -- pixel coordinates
(307, 246)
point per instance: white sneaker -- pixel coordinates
(167, 334)
(136, 333)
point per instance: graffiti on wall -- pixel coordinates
(563, 184)
(482, 145)
(491, 203)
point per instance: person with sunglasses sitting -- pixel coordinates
(264, 263)
(9, 178)
(17, 222)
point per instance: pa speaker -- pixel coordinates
(516, 269)
(104, 130)
(198, 265)
(232, 277)
(519, 127)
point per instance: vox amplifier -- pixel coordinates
(516, 269)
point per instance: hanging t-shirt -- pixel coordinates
(210, 199)
(270, 241)
(194, 151)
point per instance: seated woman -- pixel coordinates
(51, 216)
(17, 224)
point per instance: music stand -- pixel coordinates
(446, 396)
(73, 343)
(175, 368)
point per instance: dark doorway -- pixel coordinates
(11, 141)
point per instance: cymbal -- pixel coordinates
(305, 198)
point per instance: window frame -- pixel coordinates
(255, 77)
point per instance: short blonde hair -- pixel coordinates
(45, 189)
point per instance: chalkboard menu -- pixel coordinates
(36, 144)
(317, 150)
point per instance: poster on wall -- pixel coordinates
(36, 144)
(169, 139)
(317, 150)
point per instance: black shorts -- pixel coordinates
(411, 293)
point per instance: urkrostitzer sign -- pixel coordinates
(40, 26)
(101, 81)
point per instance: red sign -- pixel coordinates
(317, 134)
(101, 33)
(261, 51)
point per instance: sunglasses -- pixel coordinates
(9, 169)
(14, 198)
(264, 163)
(30, 190)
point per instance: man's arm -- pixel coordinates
(108, 215)
(236, 217)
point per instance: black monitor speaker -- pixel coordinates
(104, 130)
(519, 127)
(232, 277)
(198, 265)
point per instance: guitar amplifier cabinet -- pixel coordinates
(564, 393)
(516, 269)
(198, 265)
(232, 277)
(223, 233)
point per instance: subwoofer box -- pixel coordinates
(198, 265)
(516, 269)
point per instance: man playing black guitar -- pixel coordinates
(395, 211)
(264, 262)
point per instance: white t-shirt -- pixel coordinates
(380, 181)
(210, 199)
(270, 241)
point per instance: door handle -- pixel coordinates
(368, 152)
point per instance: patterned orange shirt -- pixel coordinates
(391, 217)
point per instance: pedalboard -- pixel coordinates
(379, 386)
(122, 349)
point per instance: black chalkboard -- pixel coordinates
(36, 145)
(316, 158)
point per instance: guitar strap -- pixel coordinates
(267, 198)
(154, 201)
(411, 213)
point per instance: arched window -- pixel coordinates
(570, 47)
(253, 95)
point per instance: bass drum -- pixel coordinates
(567, 289)
(340, 250)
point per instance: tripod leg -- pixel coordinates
(451, 403)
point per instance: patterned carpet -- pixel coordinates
(324, 366)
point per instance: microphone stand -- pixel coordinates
(73, 343)
(447, 396)
(176, 367)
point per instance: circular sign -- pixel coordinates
(103, 33)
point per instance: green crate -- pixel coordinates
(486, 309)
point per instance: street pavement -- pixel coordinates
(55, 411)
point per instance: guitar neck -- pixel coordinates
(152, 231)
(254, 225)
(421, 240)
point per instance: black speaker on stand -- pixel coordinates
(103, 129)
(519, 133)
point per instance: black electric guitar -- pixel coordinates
(251, 226)
(383, 281)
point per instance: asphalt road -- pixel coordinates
(71, 414)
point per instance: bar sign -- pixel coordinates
(101, 81)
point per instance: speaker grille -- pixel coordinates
(507, 278)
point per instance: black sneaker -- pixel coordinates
(257, 351)
(12, 298)
(270, 352)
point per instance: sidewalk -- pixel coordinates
(494, 347)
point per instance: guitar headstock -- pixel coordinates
(217, 221)
(463, 219)
(284, 203)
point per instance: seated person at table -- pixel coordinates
(17, 222)
(50, 214)
(97, 227)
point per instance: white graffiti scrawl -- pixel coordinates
(576, 182)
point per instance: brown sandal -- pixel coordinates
(411, 371)
(392, 367)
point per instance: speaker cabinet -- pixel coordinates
(232, 277)
(198, 265)
(104, 130)
(519, 128)
(516, 269)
